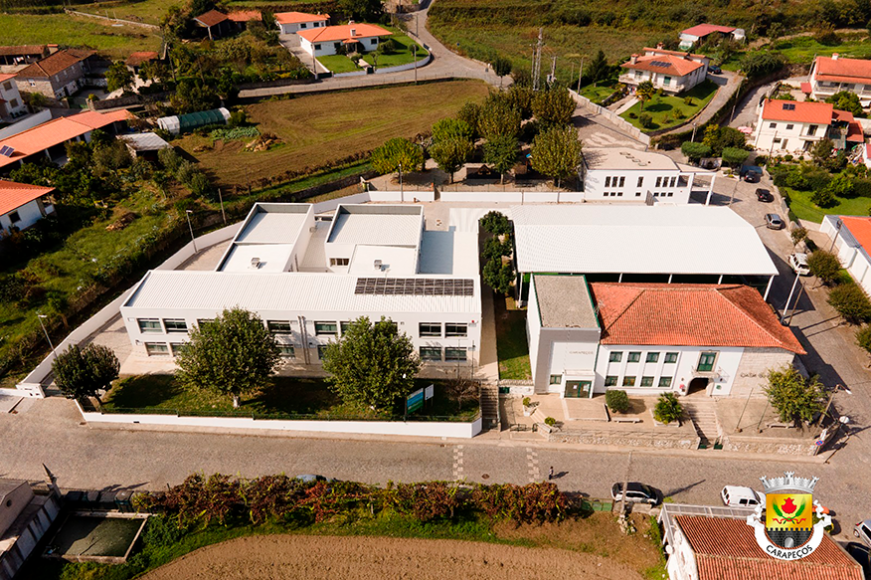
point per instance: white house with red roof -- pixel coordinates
(22, 205)
(852, 238)
(705, 32)
(347, 38)
(793, 127)
(11, 103)
(830, 75)
(669, 70)
(293, 22)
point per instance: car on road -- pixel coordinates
(798, 263)
(636, 493)
(752, 177)
(714, 69)
(773, 222)
(764, 195)
(861, 554)
(741, 496)
(862, 530)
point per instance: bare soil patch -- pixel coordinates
(369, 558)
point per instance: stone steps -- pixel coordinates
(489, 400)
(704, 417)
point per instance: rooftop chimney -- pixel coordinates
(255, 263)
(353, 32)
(659, 46)
(835, 56)
(633, 59)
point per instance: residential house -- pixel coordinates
(239, 19)
(830, 75)
(218, 24)
(57, 76)
(851, 236)
(137, 59)
(26, 54)
(292, 22)
(624, 174)
(716, 543)
(25, 517)
(11, 103)
(646, 338)
(22, 205)
(702, 33)
(669, 70)
(48, 139)
(794, 127)
(347, 38)
(308, 276)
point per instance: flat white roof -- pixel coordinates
(396, 261)
(271, 228)
(270, 257)
(626, 158)
(377, 225)
(186, 291)
(659, 239)
(451, 253)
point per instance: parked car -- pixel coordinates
(714, 69)
(861, 554)
(862, 530)
(741, 496)
(773, 222)
(752, 177)
(636, 492)
(764, 195)
(798, 263)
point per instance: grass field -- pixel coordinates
(662, 108)
(803, 49)
(116, 41)
(318, 129)
(511, 347)
(338, 63)
(148, 11)
(801, 205)
(403, 55)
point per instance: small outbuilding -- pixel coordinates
(145, 145)
(178, 124)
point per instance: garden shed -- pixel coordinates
(178, 124)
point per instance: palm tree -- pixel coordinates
(644, 92)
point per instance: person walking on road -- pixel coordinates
(550, 475)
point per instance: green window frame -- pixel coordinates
(628, 381)
(665, 382)
(652, 357)
(615, 356)
(633, 357)
(149, 325)
(646, 381)
(431, 353)
(556, 379)
(326, 329)
(287, 350)
(278, 326)
(670, 357)
(611, 381)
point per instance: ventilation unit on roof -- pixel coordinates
(313, 229)
(255, 263)
(378, 264)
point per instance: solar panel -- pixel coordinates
(659, 63)
(789, 106)
(7, 151)
(415, 286)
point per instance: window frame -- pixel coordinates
(628, 381)
(322, 350)
(671, 358)
(633, 356)
(429, 334)
(150, 330)
(457, 349)
(174, 328)
(615, 356)
(665, 382)
(319, 331)
(150, 345)
(14, 217)
(430, 358)
(339, 262)
(456, 333)
(648, 379)
(652, 357)
(555, 380)
(175, 348)
(344, 325)
(277, 327)
(611, 380)
(284, 347)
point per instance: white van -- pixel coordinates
(740, 496)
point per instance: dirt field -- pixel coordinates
(362, 558)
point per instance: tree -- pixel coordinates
(501, 66)
(232, 355)
(495, 222)
(520, 97)
(82, 372)
(824, 265)
(863, 338)
(451, 153)
(452, 128)
(795, 398)
(118, 76)
(501, 153)
(461, 391)
(667, 409)
(645, 92)
(645, 120)
(556, 152)
(361, 10)
(695, 151)
(841, 185)
(847, 101)
(372, 366)
(822, 151)
(498, 275)
(554, 106)
(824, 198)
(851, 302)
(617, 400)
(388, 157)
(598, 69)
(719, 138)
(498, 117)
(734, 156)
(761, 63)
(470, 113)
(799, 234)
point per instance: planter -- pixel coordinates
(528, 410)
(661, 424)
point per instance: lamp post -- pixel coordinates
(401, 194)
(414, 53)
(838, 387)
(188, 213)
(221, 199)
(837, 232)
(40, 317)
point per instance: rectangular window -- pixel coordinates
(302, 25)
(628, 381)
(608, 181)
(615, 356)
(658, 181)
(640, 181)
(374, 42)
(278, 326)
(14, 217)
(7, 85)
(646, 381)
(156, 348)
(622, 181)
(177, 347)
(175, 325)
(317, 47)
(812, 130)
(339, 261)
(149, 325)
(789, 126)
(672, 181)
(772, 125)
(610, 381)
(452, 329)
(322, 350)
(201, 322)
(455, 354)
(326, 328)
(13, 103)
(556, 379)
(344, 325)
(664, 382)
(287, 350)
(652, 357)
(634, 357)
(776, 141)
(431, 329)
(431, 353)
(670, 357)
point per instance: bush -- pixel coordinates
(495, 223)
(668, 409)
(862, 187)
(824, 198)
(762, 63)
(549, 421)
(863, 338)
(798, 234)
(688, 101)
(526, 401)
(796, 180)
(617, 401)
(679, 114)
(695, 151)
(645, 120)
(824, 265)
(851, 302)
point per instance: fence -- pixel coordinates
(623, 125)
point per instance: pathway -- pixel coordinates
(729, 83)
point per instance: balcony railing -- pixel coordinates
(711, 372)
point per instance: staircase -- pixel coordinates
(490, 406)
(703, 414)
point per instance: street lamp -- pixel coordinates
(838, 387)
(401, 195)
(40, 317)
(193, 239)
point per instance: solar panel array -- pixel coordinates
(415, 286)
(789, 106)
(659, 63)
(7, 151)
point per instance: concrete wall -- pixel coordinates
(513, 196)
(405, 196)
(624, 126)
(754, 368)
(45, 510)
(854, 258)
(28, 214)
(328, 48)
(769, 445)
(683, 437)
(294, 27)
(674, 186)
(404, 67)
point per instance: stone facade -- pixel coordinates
(770, 446)
(754, 367)
(683, 437)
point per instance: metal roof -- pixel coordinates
(145, 141)
(377, 225)
(659, 239)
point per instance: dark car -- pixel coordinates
(636, 492)
(773, 222)
(752, 177)
(714, 69)
(764, 195)
(861, 554)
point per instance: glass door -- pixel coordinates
(578, 389)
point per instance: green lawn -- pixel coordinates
(511, 347)
(597, 94)
(663, 107)
(403, 55)
(148, 11)
(338, 63)
(801, 205)
(802, 49)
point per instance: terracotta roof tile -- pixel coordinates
(51, 65)
(726, 549)
(137, 58)
(689, 315)
(800, 112)
(845, 70)
(343, 32)
(860, 228)
(701, 30)
(23, 50)
(297, 17)
(211, 18)
(245, 15)
(6, 77)
(14, 195)
(664, 64)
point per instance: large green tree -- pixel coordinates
(82, 372)
(847, 101)
(554, 106)
(598, 69)
(795, 398)
(232, 355)
(452, 128)
(361, 10)
(501, 153)
(372, 366)
(451, 153)
(501, 66)
(388, 157)
(645, 92)
(556, 152)
(118, 76)
(824, 265)
(498, 117)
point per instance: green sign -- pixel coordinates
(414, 401)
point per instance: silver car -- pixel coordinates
(862, 530)
(773, 222)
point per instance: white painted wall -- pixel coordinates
(854, 258)
(681, 563)
(671, 186)
(28, 213)
(533, 326)
(365, 44)
(786, 136)
(292, 28)
(14, 103)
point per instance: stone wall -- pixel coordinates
(769, 445)
(684, 437)
(754, 366)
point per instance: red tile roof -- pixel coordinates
(51, 65)
(664, 64)
(211, 18)
(6, 77)
(701, 30)
(343, 32)
(297, 17)
(726, 549)
(245, 16)
(843, 70)
(14, 195)
(57, 131)
(860, 228)
(137, 58)
(818, 113)
(689, 315)
(23, 50)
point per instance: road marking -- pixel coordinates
(458, 463)
(532, 460)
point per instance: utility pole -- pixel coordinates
(580, 75)
(414, 52)
(552, 77)
(536, 62)
(221, 199)
(795, 305)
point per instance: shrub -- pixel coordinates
(796, 180)
(530, 503)
(617, 401)
(695, 151)
(645, 120)
(761, 63)
(788, 157)
(679, 114)
(688, 101)
(862, 187)
(526, 401)
(495, 223)
(633, 115)
(798, 234)
(668, 409)
(549, 421)
(851, 302)
(863, 338)
(824, 198)
(824, 265)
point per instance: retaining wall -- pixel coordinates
(769, 445)
(622, 124)
(655, 439)
(404, 67)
